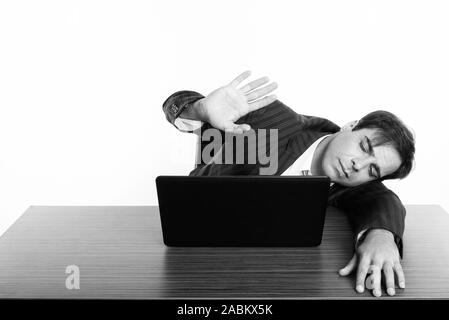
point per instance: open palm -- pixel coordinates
(227, 104)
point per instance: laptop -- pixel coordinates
(242, 211)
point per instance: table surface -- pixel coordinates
(120, 255)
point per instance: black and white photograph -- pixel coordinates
(220, 158)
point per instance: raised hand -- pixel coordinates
(225, 105)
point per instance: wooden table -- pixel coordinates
(120, 254)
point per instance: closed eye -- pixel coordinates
(362, 147)
(369, 149)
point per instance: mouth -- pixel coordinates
(343, 169)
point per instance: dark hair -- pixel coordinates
(391, 130)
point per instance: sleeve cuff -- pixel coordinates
(187, 125)
(361, 233)
(177, 102)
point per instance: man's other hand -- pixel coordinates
(225, 105)
(377, 254)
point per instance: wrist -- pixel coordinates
(194, 111)
(199, 110)
(380, 232)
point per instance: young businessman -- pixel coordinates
(356, 157)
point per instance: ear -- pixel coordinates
(349, 126)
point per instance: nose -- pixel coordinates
(361, 162)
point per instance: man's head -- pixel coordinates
(377, 147)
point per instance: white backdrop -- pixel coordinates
(82, 84)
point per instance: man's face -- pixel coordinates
(351, 158)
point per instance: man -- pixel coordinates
(356, 157)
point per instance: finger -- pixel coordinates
(376, 280)
(400, 274)
(349, 267)
(254, 84)
(244, 127)
(362, 269)
(262, 102)
(369, 283)
(240, 78)
(389, 278)
(237, 128)
(259, 93)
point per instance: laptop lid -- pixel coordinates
(237, 211)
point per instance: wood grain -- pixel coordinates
(120, 253)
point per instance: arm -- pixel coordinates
(223, 106)
(377, 210)
(372, 206)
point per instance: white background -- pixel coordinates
(82, 85)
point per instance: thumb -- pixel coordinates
(349, 267)
(237, 128)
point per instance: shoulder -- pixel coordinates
(278, 114)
